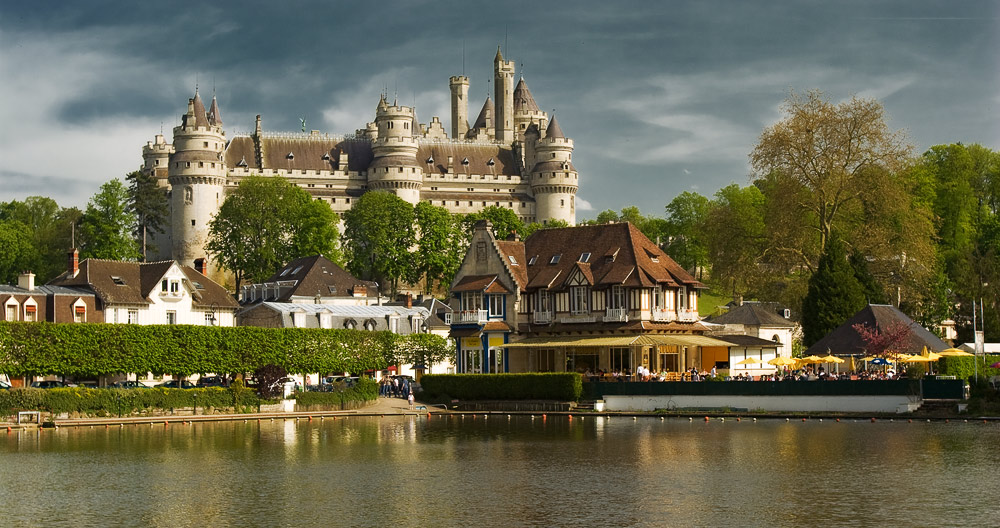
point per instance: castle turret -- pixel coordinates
(526, 111)
(197, 177)
(503, 91)
(554, 180)
(459, 106)
(155, 162)
(483, 127)
(394, 165)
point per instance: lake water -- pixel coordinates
(500, 471)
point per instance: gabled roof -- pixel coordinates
(846, 340)
(751, 315)
(518, 268)
(318, 275)
(483, 283)
(117, 282)
(618, 254)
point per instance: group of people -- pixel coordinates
(807, 373)
(394, 387)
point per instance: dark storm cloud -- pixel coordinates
(660, 97)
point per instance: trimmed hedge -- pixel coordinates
(366, 389)
(560, 386)
(124, 402)
(88, 350)
(963, 367)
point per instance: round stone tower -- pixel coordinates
(554, 180)
(197, 179)
(394, 166)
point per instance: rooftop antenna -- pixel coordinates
(72, 235)
(505, 48)
(161, 128)
(522, 70)
(463, 57)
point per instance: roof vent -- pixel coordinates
(491, 162)
(118, 280)
(430, 159)
(326, 156)
(290, 156)
(465, 161)
(243, 162)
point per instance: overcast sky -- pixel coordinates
(660, 97)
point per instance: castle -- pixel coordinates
(514, 156)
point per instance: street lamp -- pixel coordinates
(211, 314)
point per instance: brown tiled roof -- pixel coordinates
(317, 274)
(308, 151)
(553, 166)
(554, 131)
(475, 283)
(479, 158)
(210, 293)
(523, 99)
(511, 248)
(632, 265)
(497, 326)
(136, 281)
(241, 148)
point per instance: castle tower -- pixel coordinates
(155, 162)
(483, 128)
(459, 106)
(394, 166)
(554, 180)
(526, 111)
(197, 177)
(503, 92)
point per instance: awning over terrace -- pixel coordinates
(618, 341)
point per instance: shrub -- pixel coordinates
(963, 367)
(124, 402)
(366, 389)
(562, 386)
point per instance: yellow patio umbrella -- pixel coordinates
(748, 361)
(918, 359)
(811, 359)
(852, 367)
(954, 352)
(782, 361)
(831, 359)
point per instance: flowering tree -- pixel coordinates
(881, 343)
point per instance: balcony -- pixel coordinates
(663, 316)
(687, 316)
(616, 315)
(585, 317)
(469, 317)
(541, 317)
(171, 295)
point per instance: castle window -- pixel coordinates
(406, 126)
(201, 164)
(401, 169)
(204, 144)
(289, 156)
(553, 155)
(192, 223)
(187, 164)
(456, 202)
(156, 162)
(465, 161)
(562, 203)
(469, 189)
(347, 200)
(470, 204)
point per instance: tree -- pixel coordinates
(148, 202)
(421, 349)
(552, 224)
(440, 244)
(379, 233)
(50, 228)
(736, 234)
(894, 339)
(834, 294)
(835, 151)
(872, 290)
(107, 225)
(17, 253)
(685, 238)
(505, 222)
(266, 222)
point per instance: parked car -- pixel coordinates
(177, 384)
(51, 384)
(212, 381)
(126, 384)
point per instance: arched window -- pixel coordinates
(370, 324)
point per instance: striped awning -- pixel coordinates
(618, 341)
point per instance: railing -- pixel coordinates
(541, 317)
(687, 316)
(578, 318)
(171, 295)
(471, 316)
(616, 315)
(664, 315)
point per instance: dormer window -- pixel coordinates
(285, 272)
(118, 280)
(326, 157)
(430, 159)
(555, 259)
(585, 257)
(289, 156)
(491, 162)
(513, 261)
(465, 161)
(532, 260)
(242, 162)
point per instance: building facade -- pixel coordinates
(584, 299)
(513, 156)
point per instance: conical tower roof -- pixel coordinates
(382, 105)
(200, 118)
(485, 115)
(415, 124)
(523, 101)
(499, 57)
(554, 131)
(214, 115)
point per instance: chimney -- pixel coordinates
(74, 262)
(409, 300)
(199, 265)
(26, 281)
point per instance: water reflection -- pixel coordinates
(502, 471)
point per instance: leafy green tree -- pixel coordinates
(148, 202)
(17, 253)
(872, 290)
(505, 222)
(379, 233)
(440, 245)
(736, 234)
(421, 349)
(834, 294)
(107, 225)
(535, 226)
(266, 222)
(685, 239)
(50, 228)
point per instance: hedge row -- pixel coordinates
(87, 350)
(124, 402)
(561, 386)
(366, 389)
(963, 367)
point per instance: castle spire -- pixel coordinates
(499, 57)
(214, 115)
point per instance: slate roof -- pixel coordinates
(615, 254)
(117, 282)
(485, 118)
(554, 131)
(845, 340)
(523, 101)
(317, 275)
(751, 315)
(746, 340)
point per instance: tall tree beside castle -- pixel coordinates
(148, 203)
(267, 222)
(378, 235)
(107, 225)
(513, 156)
(834, 294)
